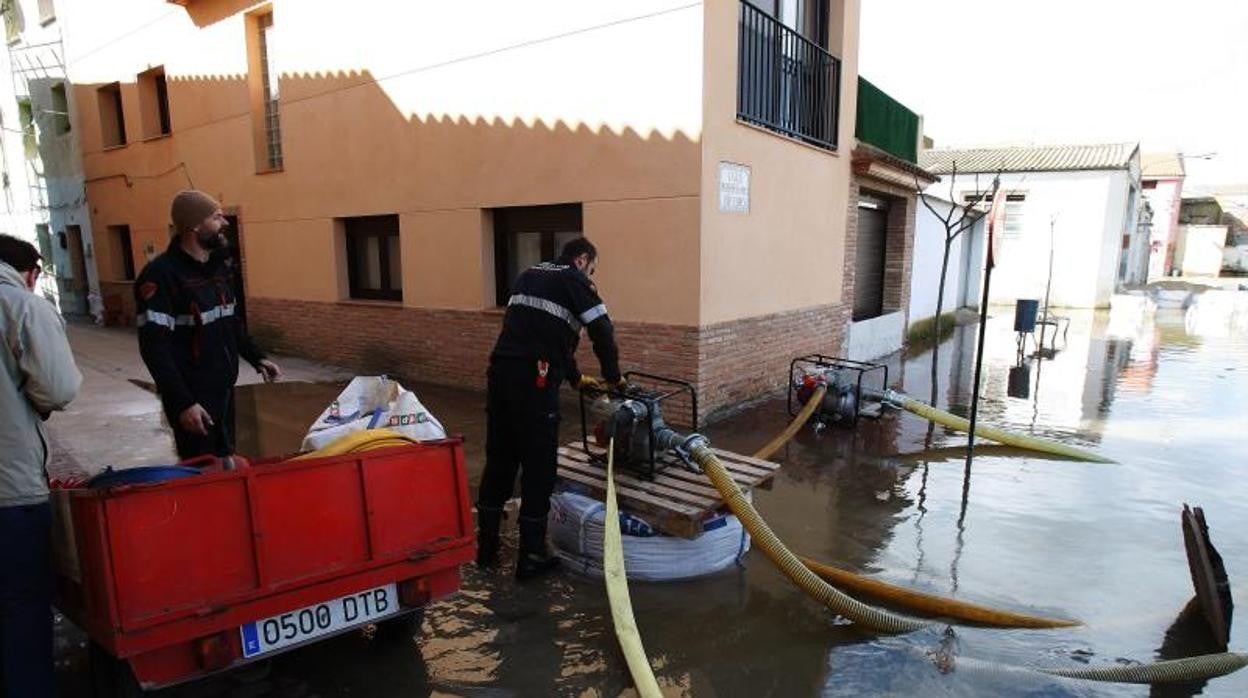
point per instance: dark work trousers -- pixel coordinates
(521, 434)
(26, 601)
(220, 438)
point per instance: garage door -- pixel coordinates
(869, 265)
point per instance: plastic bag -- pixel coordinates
(374, 402)
(576, 526)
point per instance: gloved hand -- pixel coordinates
(620, 385)
(590, 383)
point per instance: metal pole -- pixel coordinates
(983, 328)
(1048, 284)
(979, 357)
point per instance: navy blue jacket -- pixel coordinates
(189, 336)
(549, 305)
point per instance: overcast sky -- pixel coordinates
(1171, 75)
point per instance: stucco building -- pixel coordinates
(1082, 202)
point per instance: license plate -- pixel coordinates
(327, 617)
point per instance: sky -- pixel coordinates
(1171, 75)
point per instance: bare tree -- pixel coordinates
(960, 218)
(955, 225)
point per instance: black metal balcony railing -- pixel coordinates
(785, 82)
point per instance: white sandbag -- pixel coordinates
(373, 402)
(576, 531)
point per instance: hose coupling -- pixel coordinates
(892, 398)
(684, 450)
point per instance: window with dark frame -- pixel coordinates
(112, 116)
(122, 251)
(527, 235)
(47, 11)
(374, 268)
(269, 86)
(26, 117)
(154, 103)
(1012, 220)
(12, 25)
(60, 109)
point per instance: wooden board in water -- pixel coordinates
(677, 500)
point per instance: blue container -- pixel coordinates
(143, 475)
(1025, 311)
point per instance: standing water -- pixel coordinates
(893, 500)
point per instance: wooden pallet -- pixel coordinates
(677, 500)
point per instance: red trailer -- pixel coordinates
(193, 576)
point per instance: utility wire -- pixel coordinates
(442, 64)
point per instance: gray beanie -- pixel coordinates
(190, 208)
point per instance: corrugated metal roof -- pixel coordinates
(1047, 158)
(1153, 165)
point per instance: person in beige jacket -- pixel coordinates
(37, 377)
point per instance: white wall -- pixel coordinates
(879, 336)
(1200, 249)
(1091, 213)
(929, 249)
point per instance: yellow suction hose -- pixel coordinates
(1188, 669)
(930, 604)
(357, 442)
(794, 426)
(1001, 436)
(895, 596)
(802, 572)
(613, 574)
(766, 540)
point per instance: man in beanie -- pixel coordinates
(189, 335)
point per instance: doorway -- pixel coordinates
(76, 302)
(869, 260)
(234, 260)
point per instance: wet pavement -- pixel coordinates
(893, 499)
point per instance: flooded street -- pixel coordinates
(893, 500)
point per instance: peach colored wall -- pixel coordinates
(786, 253)
(592, 102)
(645, 246)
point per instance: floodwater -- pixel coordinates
(1164, 397)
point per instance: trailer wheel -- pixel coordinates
(111, 677)
(401, 629)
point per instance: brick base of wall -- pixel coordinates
(730, 363)
(118, 300)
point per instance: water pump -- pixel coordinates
(633, 417)
(854, 388)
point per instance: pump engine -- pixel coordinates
(853, 387)
(633, 417)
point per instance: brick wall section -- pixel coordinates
(730, 362)
(745, 359)
(849, 272)
(118, 300)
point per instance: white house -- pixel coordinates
(1080, 202)
(966, 259)
(44, 197)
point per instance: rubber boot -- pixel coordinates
(488, 522)
(534, 559)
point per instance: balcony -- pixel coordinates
(785, 82)
(886, 123)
